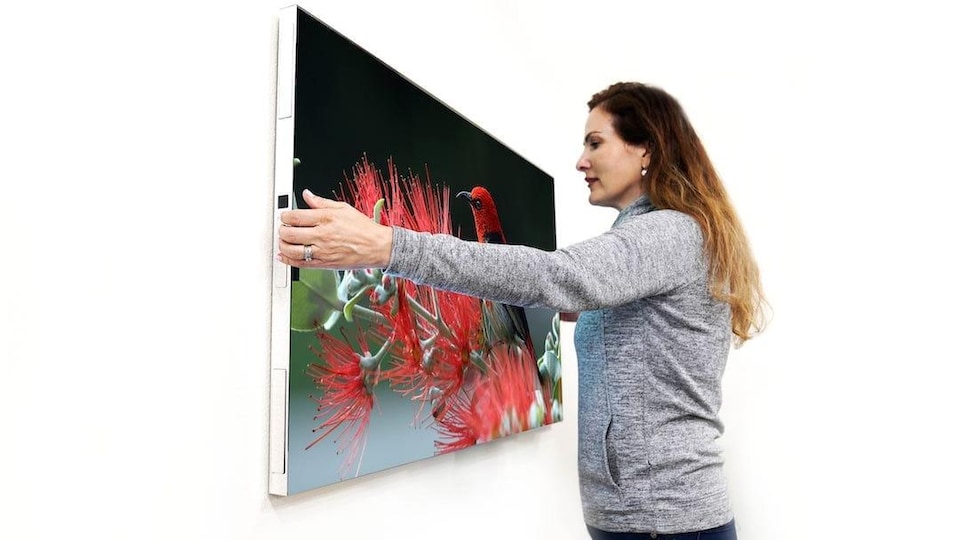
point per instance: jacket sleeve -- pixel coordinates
(645, 255)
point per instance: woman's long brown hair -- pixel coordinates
(681, 177)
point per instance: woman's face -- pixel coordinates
(612, 166)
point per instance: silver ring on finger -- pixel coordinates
(308, 252)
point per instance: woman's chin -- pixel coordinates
(596, 200)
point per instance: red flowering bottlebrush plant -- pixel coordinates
(431, 342)
(406, 353)
(424, 209)
(459, 428)
(503, 401)
(432, 337)
(364, 189)
(454, 344)
(436, 330)
(426, 335)
(409, 203)
(347, 398)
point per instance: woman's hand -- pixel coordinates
(333, 235)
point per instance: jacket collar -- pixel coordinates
(637, 207)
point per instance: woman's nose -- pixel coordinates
(583, 164)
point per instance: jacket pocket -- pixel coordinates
(611, 464)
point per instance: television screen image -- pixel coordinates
(369, 371)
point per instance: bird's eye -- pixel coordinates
(477, 204)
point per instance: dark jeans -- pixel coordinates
(723, 532)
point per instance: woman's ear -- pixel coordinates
(644, 155)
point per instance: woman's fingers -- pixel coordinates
(339, 236)
(296, 252)
(317, 213)
(298, 263)
(300, 218)
(299, 235)
(314, 201)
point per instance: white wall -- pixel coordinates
(136, 231)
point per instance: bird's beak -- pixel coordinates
(465, 195)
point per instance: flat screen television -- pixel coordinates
(370, 372)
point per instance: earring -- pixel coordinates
(643, 171)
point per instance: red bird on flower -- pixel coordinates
(504, 321)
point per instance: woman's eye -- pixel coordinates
(593, 144)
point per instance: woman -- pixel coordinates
(660, 296)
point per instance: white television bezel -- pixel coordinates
(283, 200)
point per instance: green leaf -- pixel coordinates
(332, 320)
(307, 308)
(377, 210)
(322, 282)
(348, 307)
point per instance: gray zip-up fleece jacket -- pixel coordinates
(651, 345)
